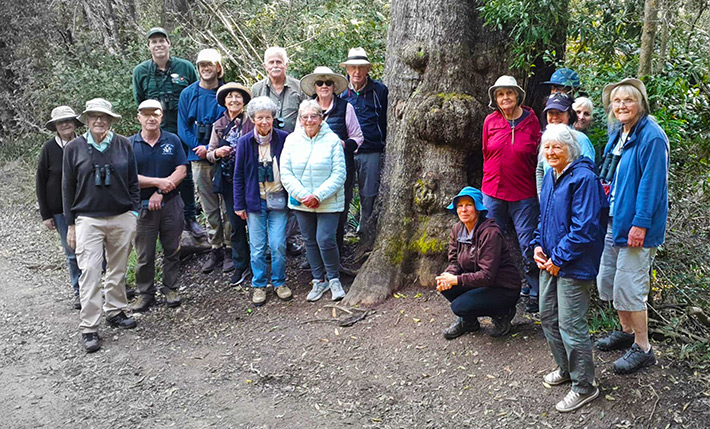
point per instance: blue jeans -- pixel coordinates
(524, 215)
(271, 225)
(318, 231)
(238, 231)
(74, 272)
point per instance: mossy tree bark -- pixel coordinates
(440, 63)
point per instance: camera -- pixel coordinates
(279, 123)
(608, 168)
(204, 131)
(266, 171)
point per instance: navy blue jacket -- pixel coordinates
(573, 218)
(246, 170)
(371, 109)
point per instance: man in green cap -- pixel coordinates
(163, 78)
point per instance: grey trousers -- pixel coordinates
(367, 166)
(167, 224)
(563, 310)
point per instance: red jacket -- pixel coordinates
(510, 156)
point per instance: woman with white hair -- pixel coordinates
(584, 109)
(567, 246)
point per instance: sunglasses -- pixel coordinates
(324, 82)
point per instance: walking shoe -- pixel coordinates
(634, 359)
(195, 229)
(91, 342)
(143, 303)
(239, 276)
(319, 288)
(172, 298)
(501, 323)
(213, 261)
(617, 340)
(283, 292)
(121, 321)
(460, 327)
(533, 305)
(336, 290)
(293, 249)
(227, 262)
(574, 400)
(77, 303)
(130, 293)
(556, 377)
(258, 296)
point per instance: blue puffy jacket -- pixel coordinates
(641, 183)
(573, 219)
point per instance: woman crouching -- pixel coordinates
(481, 279)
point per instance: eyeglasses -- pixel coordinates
(627, 102)
(310, 117)
(324, 82)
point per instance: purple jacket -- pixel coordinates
(246, 173)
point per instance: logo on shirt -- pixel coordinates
(168, 148)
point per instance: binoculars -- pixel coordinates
(204, 131)
(266, 171)
(102, 174)
(279, 123)
(608, 168)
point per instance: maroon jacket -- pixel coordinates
(486, 261)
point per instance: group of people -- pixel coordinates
(264, 162)
(583, 222)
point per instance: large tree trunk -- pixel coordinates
(440, 63)
(648, 37)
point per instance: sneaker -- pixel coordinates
(501, 324)
(574, 400)
(556, 377)
(195, 229)
(91, 342)
(319, 288)
(293, 249)
(460, 327)
(143, 303)
(283, 292)
(172, 298)
(213, 261)
(617, 340)
(239, 276)
(258, 297)
(336, 290)
(121, 321)
(227, 262)
(533, 305)
(77, 303)
(634, 359)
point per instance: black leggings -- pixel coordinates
(483, 301)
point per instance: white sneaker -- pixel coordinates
(336, 290)
(319, 288)
(574, 400)
(556, 377)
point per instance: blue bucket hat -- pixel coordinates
(474, 194)
(564, 77)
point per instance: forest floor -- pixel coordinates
(217, 361)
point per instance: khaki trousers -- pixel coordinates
(218, 229)
(94, 236)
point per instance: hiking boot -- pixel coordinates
(460, 327)
(283, 292)
(258, 296)
(501, 324)
(227, 262)
(634, 359)
(213, 261)
(319, 288)
(617, 340)
(293, 249)
(533, 305)
(121, 321)
(574, 400)
(556, 377)
(130, 293)
(143, 303)
(77, 303)
(90, 342)
(336, 290)
(172, 298)
(239, 276)
(195, 229)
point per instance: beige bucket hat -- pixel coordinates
(606, 92)
(505, 82)
(61, 113)
(99, 105)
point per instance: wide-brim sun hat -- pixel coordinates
(99, 105)
(308, 82)
(468, 191)
(564, 77)
(225, 89)
(62, 113)
(606, 92)
(356, 57)
(504, 82)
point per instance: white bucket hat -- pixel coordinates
(98, 105)
(210, 55)
(150, 104)
(61, 113)
(308, 82)
(504, 82)
(606, 92)
(356, 57)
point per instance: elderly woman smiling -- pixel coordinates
(313, 173)
(568, 244)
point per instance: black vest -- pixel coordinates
(336, 118)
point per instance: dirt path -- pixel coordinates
(219, 362)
